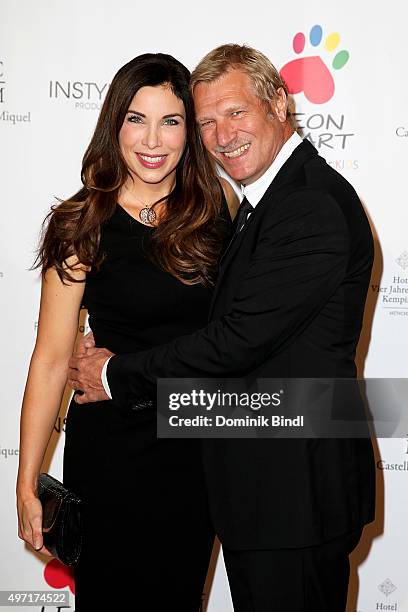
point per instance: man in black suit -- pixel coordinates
(288, 303)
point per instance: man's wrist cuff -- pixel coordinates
(104, 378)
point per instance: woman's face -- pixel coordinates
(153, 135)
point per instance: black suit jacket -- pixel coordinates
(288, 303)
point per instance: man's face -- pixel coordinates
(236, 127)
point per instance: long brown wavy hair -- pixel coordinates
(188, 239)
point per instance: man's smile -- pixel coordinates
(237, 152)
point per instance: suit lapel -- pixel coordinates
(285, 177)
(228, 255)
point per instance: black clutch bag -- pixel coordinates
(61, 522)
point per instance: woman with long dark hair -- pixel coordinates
(138, 247)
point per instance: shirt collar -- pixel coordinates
(255, 191)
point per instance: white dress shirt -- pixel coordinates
(104, 378)
(256, 190)
(253, 193)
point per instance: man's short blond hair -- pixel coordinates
(265, 78)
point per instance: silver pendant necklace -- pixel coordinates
(147, 215)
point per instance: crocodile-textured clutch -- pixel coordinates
(61, 523)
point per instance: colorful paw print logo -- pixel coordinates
(310, 73)
(59, 576)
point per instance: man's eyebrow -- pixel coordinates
(134, 112)
(235, 107)
(225, 111)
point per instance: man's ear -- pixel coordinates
(280, 105)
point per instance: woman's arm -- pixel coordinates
(57, 330)
(230, 196)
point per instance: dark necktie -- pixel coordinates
(243, 211)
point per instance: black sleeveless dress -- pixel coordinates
(147, 532)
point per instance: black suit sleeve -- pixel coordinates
(299, 261)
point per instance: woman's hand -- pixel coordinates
(30, 521)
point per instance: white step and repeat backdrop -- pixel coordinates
(346, 64)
